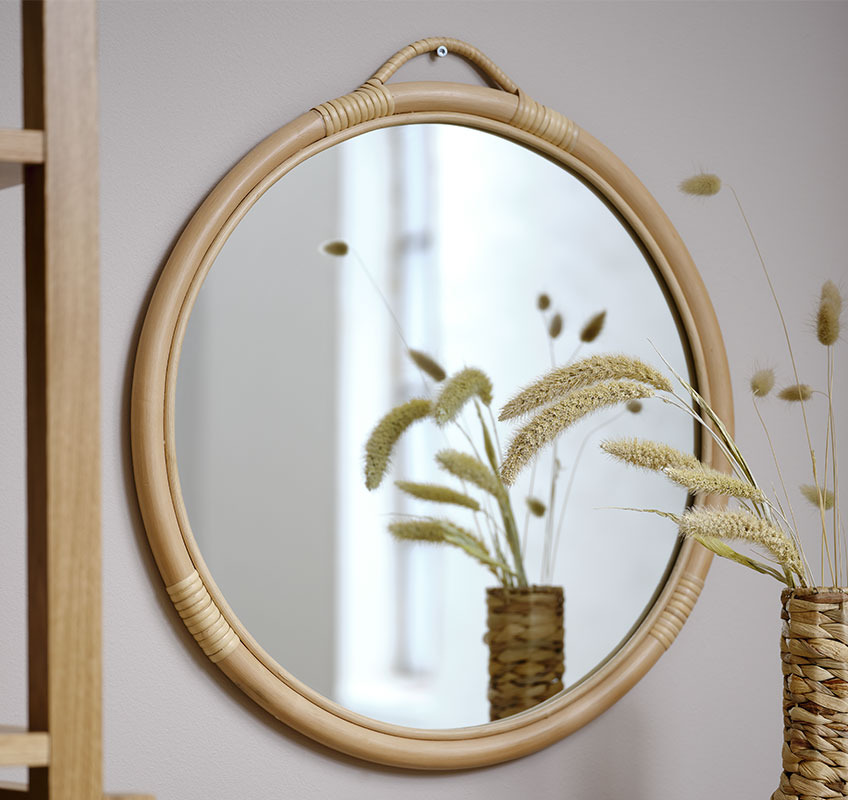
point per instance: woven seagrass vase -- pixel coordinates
(525, 638)
(814, 655)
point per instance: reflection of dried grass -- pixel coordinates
(378, 448)
(593, 327)
(468, 468)
(740, 525)
(427, 365)
(548, 424)
(705, 480)
(536, 506)
(581, 373)
(649, 455)
(465, 384)
(437, 494)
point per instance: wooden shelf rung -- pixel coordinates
(23, 748)
(21, 146)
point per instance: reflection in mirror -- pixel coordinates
(291, 356)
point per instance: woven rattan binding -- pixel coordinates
(814, 655)
(525, 638)
(374, 100)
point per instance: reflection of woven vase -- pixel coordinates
(814, 652)
(525, 638)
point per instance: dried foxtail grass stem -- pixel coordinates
(648, 454)
(437, 494)
(582, 373)
(429, 366)
(548, 424)
(705, 480)
(389, 429)
(740, 525)
(465, 384)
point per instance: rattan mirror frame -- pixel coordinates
(508, 112)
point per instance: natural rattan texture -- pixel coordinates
(814, 652)
(525, 638)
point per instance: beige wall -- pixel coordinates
(754, 91)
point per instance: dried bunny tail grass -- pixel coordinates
(762, 382)
(796, 393)
(378, 448)
(827, 316)
(555, 327)
(705, 480)
(548, 424)
(437, 494)
(536, 506)
(593, 327)
(704, 184)
(427, 364)
(830, 294)
(543, 302)
(634, 406)
(811, 493)
(461, 387)
(581, 373)
(740, 525)
(649, 455)
(468, 468)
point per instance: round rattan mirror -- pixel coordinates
(188, 568)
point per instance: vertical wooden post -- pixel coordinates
(63, 392)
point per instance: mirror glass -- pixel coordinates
(291, 356)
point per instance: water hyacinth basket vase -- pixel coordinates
(814, 655)
(526, 655)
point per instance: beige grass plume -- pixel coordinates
(796, 393)
(460, 388)
(704, 184)
(378, 448)
(585, 372)
(468, 468)
(828, 314)
(543, 302)
(740, 525)
(762, 382)
(811, 493)
(437, 494)
(427, 365)
(548, 424)
(593, 327)
(649, 455)
(706, 480)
